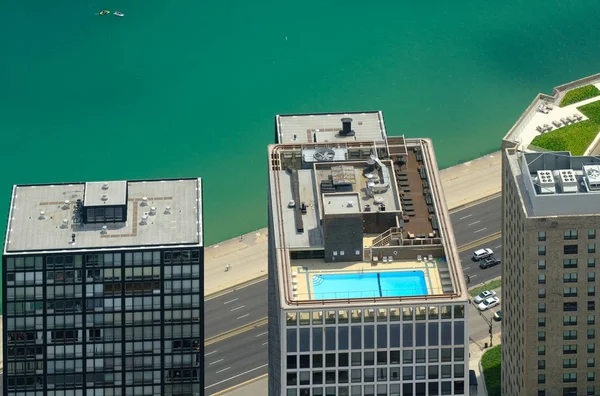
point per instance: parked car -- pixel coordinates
(498, 315)
(488, 303)
(489, 262)
(481, 254)
(483, 295)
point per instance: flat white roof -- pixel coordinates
(177, 218)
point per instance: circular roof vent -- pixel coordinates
(593, 173)
(324, 154)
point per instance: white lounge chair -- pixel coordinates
(539, 129)
(577, 116)
(556, 123)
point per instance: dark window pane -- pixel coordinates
(330, 339)
(459, 333)
(317, 339)
(304, 340)
(343, 338)
(420, 334)
(407, 335)
(356, 337)
(394, 336)
(446, 333)
(382, 336)
(369, 337)
(291, 340)
(433, 334)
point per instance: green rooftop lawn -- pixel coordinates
(490, 363)
(579, 94)
(575, 138)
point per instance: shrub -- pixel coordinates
(575, 138)
(579, 94)
(491, 365)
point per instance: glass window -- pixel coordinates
(542, 279)
(592, 248)
(542, 264)
(570, 235)
(591, 262)
(541, 236)
(569, 249)
(541, 250)
(591, 234)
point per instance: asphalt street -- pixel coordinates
(236, 338)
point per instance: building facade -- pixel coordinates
(550, 225)
(103, 289)
(366, 291)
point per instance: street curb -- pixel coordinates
(482, 377)
(483, 283)
(475, 202)
(235, 287)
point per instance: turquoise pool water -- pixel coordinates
(370, 284)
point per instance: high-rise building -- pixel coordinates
(103, 289)
(366, 291)
(551, 217)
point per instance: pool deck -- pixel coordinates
(302, 275)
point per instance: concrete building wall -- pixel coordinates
(549, 300)
(343, 238)
(274, 313)
(513, 285)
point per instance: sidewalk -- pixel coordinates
(247, 254)
(476, 352)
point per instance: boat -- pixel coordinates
(119, 13)
(104, 12)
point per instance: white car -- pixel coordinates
(488, 303)
(483, 295)
(481, 254)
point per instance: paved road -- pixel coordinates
(243, 355)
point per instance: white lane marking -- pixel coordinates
(210, 353)
(483, 229)
(236, 376)
(265, 343)
(478, 221)
(243, 316)
(225, 369)
(466, 268)
(261, 334)
(473, 276)
(230, 301)
(462, 218)
(215, 362)
(499, 246)
(235, 309)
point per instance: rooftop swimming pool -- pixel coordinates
(369, 284)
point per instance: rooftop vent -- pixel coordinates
(152, 211)
(324, 154)
(167, 210)
(546, 182)
(144, 201)
(350, 204)
(105, 197)
(104, 230)
(105, 186)
(292, 203)
(65, 223)
(67, 204)
(567, 180)
(592, 177)
(347, 127)
(144, 220)
(42, 215)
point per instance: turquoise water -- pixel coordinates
(370, 284)
(191, 88)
